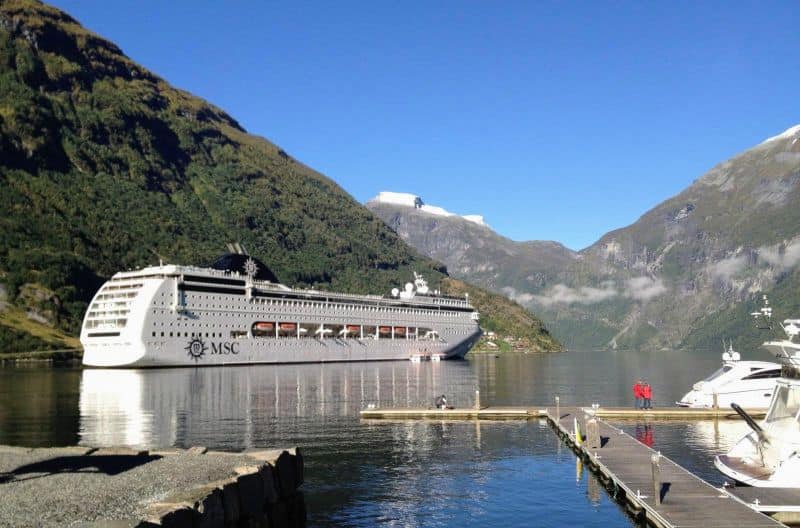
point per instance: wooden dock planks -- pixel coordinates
(625, 464)
(781, 503)
(523, 413)
(486, 413)
(672, 413)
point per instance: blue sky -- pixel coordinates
(555, 120)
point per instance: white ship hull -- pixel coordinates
(173, 353)
(176, 316)
(749, 384)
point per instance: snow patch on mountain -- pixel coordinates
(412, 200)
(789, 132)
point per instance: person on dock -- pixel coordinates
(637, 393)
(647, 395)
(441, 402)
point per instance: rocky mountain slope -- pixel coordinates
(104, 166)
(675, 277)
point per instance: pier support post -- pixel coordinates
(477, 400)
(592, 433)
(716, 400)
(655, 464)
(558, 409)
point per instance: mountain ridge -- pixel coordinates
(730, 234)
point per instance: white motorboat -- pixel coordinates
(769, 455)
(749, 384)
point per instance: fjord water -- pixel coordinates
(365, 473)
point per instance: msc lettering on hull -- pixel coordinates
(197, 348)
(224, 348)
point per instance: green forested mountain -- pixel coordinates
(104, 166)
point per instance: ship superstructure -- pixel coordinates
(236, 312)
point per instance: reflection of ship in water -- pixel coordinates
(240, 407)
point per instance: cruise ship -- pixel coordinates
(237, 312)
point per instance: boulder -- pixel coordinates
(278, 515)
(230, 502)
(271, 495)
(286, 467)
(210, 510)
(171, 515)
(251, 492)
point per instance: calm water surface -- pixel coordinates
(367, 473)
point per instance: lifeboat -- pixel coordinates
(262, 325)
(385, 330)
(353, 329)
(287, 326)
(399, 330)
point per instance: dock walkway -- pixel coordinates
(624, 465)
(525, 413)
(781, 503)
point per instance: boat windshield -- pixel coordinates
(785, 404)
(719, 372)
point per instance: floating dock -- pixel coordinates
(122, 487)
(651, 487)
(525, 413)
(781, 503)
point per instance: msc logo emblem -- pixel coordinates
(196, 349)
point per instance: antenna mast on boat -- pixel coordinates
(763, 316)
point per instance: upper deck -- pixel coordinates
(238, 283)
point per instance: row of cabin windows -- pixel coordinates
(188, 334)
(309, 304)
(238, 334)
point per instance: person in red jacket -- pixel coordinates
(647, 395)
(637, 394)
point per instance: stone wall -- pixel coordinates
(264, 494)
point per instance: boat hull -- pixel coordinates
(196, 352)
(756, 397)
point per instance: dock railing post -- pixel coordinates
(558, 409)
(477, 400)
(655, 464)
(592, 433)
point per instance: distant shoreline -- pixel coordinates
(73, 356)
(62, 356)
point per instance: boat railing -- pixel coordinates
(439, 300)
